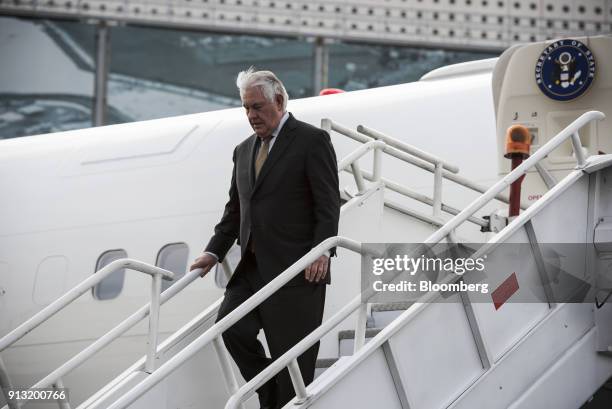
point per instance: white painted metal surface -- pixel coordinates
(56, 306)
(526, 362)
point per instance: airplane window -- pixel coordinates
(173, 257)
(112, 285)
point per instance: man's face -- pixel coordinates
(264, 116)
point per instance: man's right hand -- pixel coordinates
(205, 262)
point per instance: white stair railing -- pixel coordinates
(171, 341)
(231, 383)
(571, 131)
(224, 324)
(421, 159)
(55, 379)
(289, 359)
(348, 162)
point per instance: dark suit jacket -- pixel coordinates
(292, 206)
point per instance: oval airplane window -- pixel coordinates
(112, 285)
(173, 257)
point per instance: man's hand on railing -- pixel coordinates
(318, 269)
(206, 261)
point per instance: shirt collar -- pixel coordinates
(280, 124)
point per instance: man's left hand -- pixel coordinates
(317, 270)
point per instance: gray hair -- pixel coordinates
(269, 83)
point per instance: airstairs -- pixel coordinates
(425, 354)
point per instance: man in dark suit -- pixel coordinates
(283, 201)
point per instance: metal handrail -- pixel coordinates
(403, 190)
(403, 146)
(350, 161)
(164, 346)
(331, 125)
(132, 320)
(119, 330)
(364, 135)
(78, 290)
(289, 358)
(222, 325)
(157, 275)
(108, 337)
(418, 158)
(358, 153)
(129, 322)
(350, 164)
(571, 131)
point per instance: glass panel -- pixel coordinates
(156, 72)
(361, 66)
(173, 257)
(46, 78)
(112, 285)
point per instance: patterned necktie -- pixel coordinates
(262, 155)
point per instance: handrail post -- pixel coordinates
(437, 193)
(63, 403)
(377, 166)
(326, 125)
(226, 366)
(5, 383)
(153, 323)
(358, 177)
(577, 145)
(547, 177)
(360, 328)
(297, 381)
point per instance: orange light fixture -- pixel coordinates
(518, 141)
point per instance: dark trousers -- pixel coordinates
(286, 318)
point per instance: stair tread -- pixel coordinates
(391, 306)
(325, 362)
(350, 333)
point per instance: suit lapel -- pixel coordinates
(284, 139)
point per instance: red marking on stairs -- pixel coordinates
(505, 291)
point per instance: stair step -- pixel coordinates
(346, 340)
(325, 362)
(384, 313)
(350, 333)
(392, 306)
